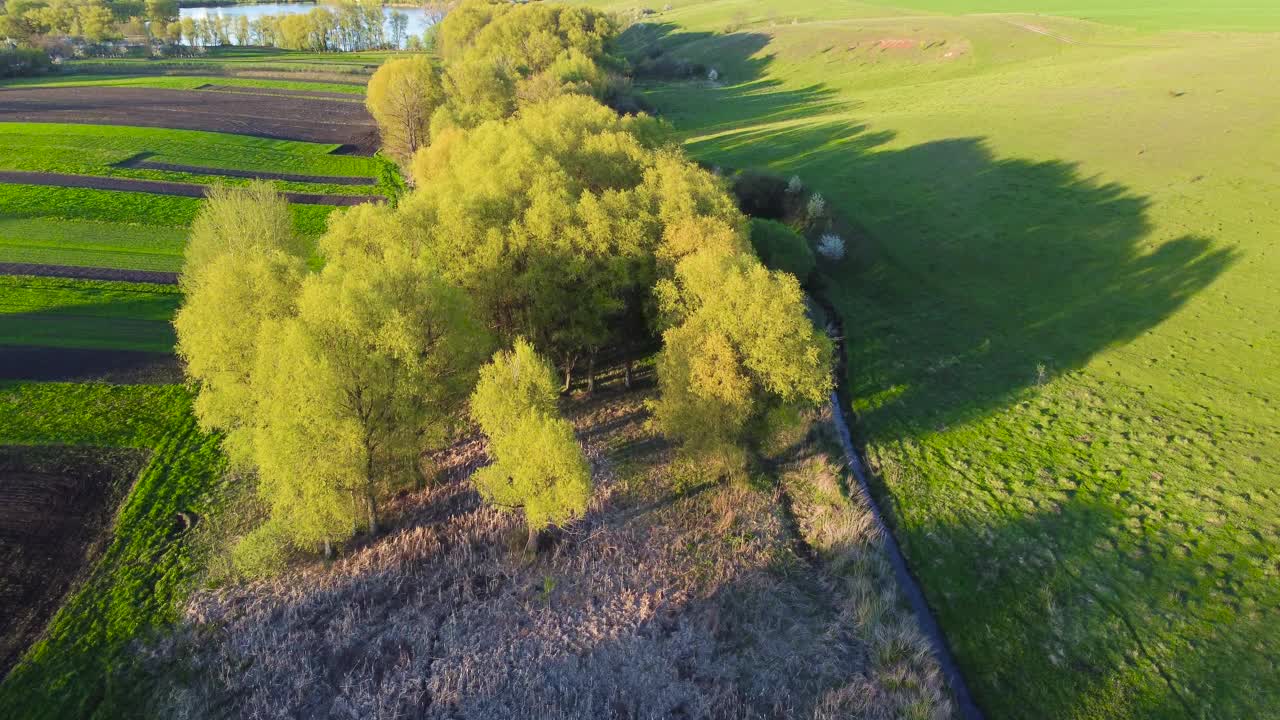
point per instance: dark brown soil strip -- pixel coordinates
(159, 187)
(89, 273)
(310, 119)
(284, 92)
(141, 162)
(56, 505)
(120, 367)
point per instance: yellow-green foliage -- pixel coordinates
(738, 345)
(552, 218)
(538, 465)
(242, 269)
(370, 372)
(403, 94)
(499, 55)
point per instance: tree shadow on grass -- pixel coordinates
(1118, 615)
(1000, 273)
(971, 279)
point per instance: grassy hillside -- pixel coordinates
(1061, 308)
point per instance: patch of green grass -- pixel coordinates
(1060, 309)
(58, 312)
(34, 201)
(1250, 15)
(186, 82)
(82, 667)
(98, 149)
(91, 244)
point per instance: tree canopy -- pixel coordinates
(538, 465)
(403, 95)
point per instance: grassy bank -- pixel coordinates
(1060, 305)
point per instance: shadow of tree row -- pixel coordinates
(999, 274)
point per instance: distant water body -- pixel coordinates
(418, 18)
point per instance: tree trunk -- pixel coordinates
(591, 372)
(626, 374)
(328, 549)
(531, 545)
(372, 505)
(569, 362)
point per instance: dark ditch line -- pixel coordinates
(118, 367)
(968, 709)
(74, 272)
(157, 187)
(140, 162)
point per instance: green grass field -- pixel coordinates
(1061, 313)
(99, 149)
(56, 312)
(106, 228)
(124, 246)
(81, 667)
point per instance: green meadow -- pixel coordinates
(101, 150)
(1060, 316)
(56, 312)
(124, 246)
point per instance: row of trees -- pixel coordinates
(339, 25)
(336, 25)
(543, 225)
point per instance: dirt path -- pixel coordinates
(311, 119)
(89, 273)
(159, 187)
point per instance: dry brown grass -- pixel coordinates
(658, 604)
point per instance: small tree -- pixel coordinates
(831, 246)
(538, 465)
(402, 96)
(243, 268)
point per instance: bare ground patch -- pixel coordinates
(119, 367)
(56, 505)
(311, 119)
(673, 597)
(161, 187)
(88, 273)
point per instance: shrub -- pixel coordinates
(831, 246)
(816, 207)
(761, 194)
(20, 62)
(262, 552)
(781, 248)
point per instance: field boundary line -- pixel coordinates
(906, 581)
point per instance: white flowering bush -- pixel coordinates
(794, 185)
(816, 206)
(831, 246)
(714, 75)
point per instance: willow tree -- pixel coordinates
(242, 268)
(403, 95)
(501, 55)
(372, 370)
(551, 219)
(738, 346)
(538, 465)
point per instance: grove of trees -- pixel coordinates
(542, 224)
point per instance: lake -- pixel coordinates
(419, 19)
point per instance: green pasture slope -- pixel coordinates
(56, 312)
(1061, 311)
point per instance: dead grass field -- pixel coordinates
(671, 598)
